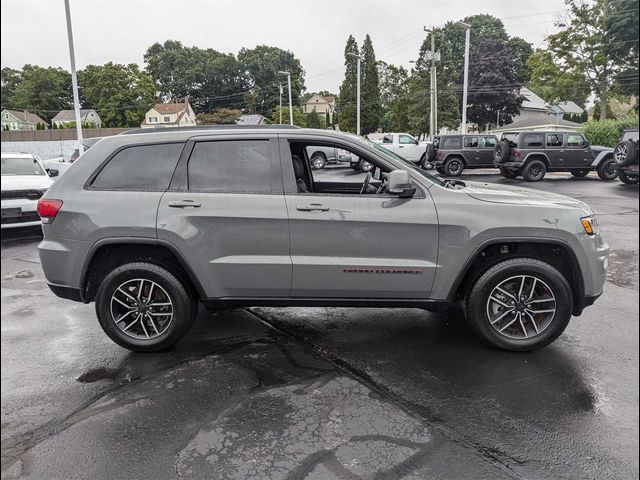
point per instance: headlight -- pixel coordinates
(590, 225)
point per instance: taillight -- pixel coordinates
(48, 208)
(515, 152)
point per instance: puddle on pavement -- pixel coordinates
(97, 374)
(623, 268)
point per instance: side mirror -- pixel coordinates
(399, 183)
(417, 142)
(53, 172)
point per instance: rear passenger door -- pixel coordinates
(470, 150)
(555, 150)
(225, 212)
(487, 145)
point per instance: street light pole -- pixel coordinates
(74, 77)
(358, 59)
(280, 86)
(465, 89)
(288, 74)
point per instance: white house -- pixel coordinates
(170, 115)
(21, 120)
(88, 116)
(320, 104)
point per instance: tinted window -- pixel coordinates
(575, 140)
(489, 142)
(451, 142)
(554, 139)
(143, 167)
(406, 139)
(471, 142)
(231, 166)
(533, 140)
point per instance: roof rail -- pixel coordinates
(207, 127)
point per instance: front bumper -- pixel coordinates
(19, 212)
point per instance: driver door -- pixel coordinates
(409, 148)
(352, 245)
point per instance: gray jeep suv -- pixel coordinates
(533, 154)
(149, 225)
(453, 153)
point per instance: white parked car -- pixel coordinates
(24, 180)
(406, 146)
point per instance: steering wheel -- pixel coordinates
(365, 184)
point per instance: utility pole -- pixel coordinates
(465, 89)
(358, 58)
(280, 85)
(433, 57)
(74, 78)
(288, 74)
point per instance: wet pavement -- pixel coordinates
(323, 393)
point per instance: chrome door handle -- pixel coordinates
(184, 204)
(313, 207)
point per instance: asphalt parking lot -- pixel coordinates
(324, 393)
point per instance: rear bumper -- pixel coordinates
(508, 164)
(19, 212)
(67, 293)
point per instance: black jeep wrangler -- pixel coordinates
(626, 155)
(533, 154)
(451, 154)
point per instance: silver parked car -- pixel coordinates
(149, 225)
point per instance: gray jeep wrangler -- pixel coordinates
(453, 153)
(626, 155)
(533, 154)
(151, 224)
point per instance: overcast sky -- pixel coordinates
(33, 31)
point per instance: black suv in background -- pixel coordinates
(626, 155)
(451, 154)
(533, 154)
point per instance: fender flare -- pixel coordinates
(457, 155)
(601, 157)
(543, 156)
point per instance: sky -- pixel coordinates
(34, 31)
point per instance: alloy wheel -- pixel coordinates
(141, 309)
(620, 153)
(521, 307)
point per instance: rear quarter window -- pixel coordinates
(139, 168)
(451, 143)
(533, 140)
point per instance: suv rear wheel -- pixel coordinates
(453, 167)
(608, 169)
(520, 305)
(318, 161)
(144, 307)
(534, 171)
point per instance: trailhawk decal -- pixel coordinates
(404, 271)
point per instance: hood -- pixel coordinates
(25, 182)
(490, 192)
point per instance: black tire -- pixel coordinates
(502, 152)
(431, 152)
(355, 166)
(453, 167)
(318, 160)
(626, 153)
(183, 305)
(580, 173)
(478, 309)
(608, 169)
(628, 179)
(364, 166)
(509, 172)
(534, 171)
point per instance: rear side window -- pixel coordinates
(471, 142)
(533, 140)
(230, 167)
(140, 168)
(451, 142)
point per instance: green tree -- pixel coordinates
(43, 91)
(347, 96)
(394, 97)
(521, 50)
(262, 65)
(220, 116)
(371, 106)
(314, 120)
(121, 94)
(582, 44)
(9, 80)
(555, 83)
(298, 116)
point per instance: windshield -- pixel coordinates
(21, 166)
(410, 165)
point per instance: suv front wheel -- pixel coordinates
(144, 307)
(521, 304)
(534, 171)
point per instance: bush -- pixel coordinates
(607, 132)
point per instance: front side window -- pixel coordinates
(406, 139)
(140, 168)
(533, 140)
(387, 139)
(575, 141)
(230, 167)
(489, 142)
(554, 139)
(12, 166)
(471, 142)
